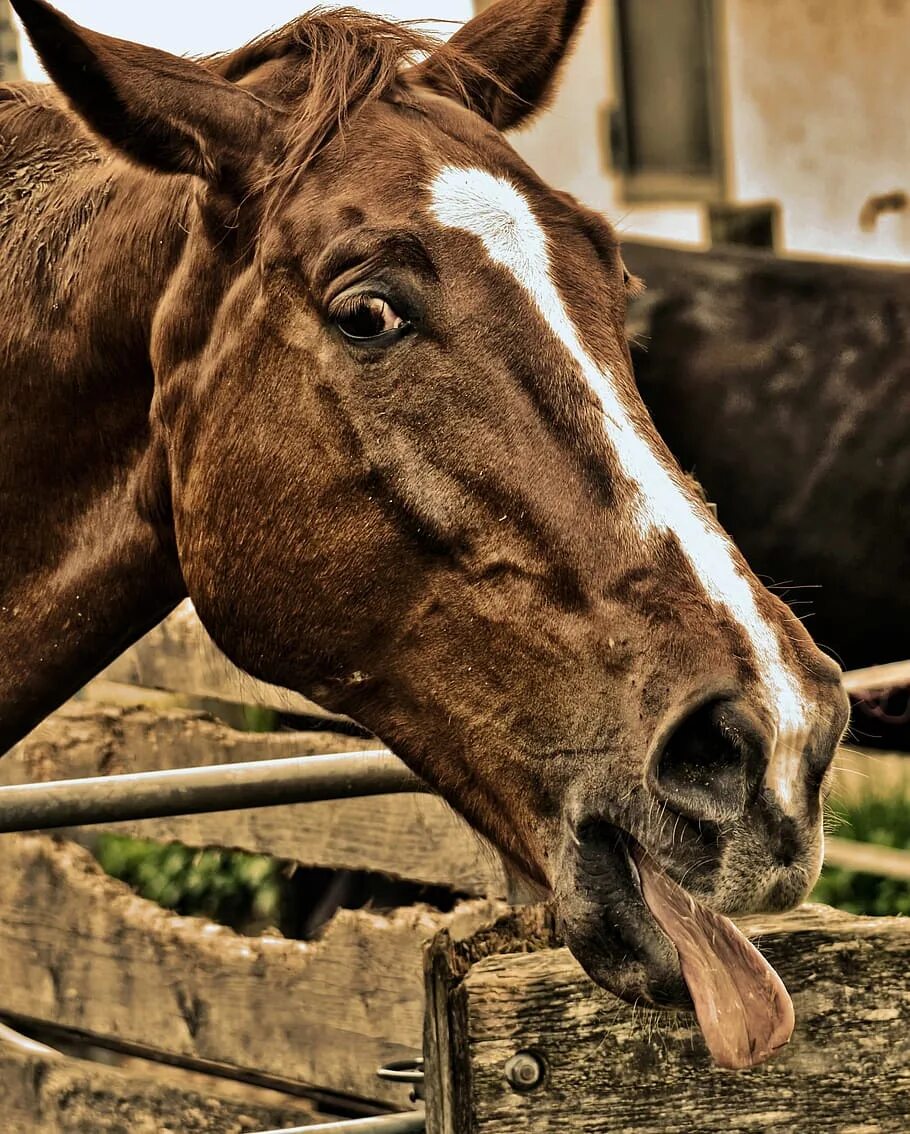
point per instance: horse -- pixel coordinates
(295, 332)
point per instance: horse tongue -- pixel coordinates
(744, 1010)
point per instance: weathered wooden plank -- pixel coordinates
(612, 1070)
(876, 678)
(45, 1092)
(178, 655)
(80, 950)
(860, 773)
(868, 858)
(95, 740)
(412, 837)
(100, 691)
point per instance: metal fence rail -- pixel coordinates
(414, 1123)
(186, 791)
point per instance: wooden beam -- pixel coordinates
(102, 740)
(178, 655)
(877, 678)
(82, 952)
(868, 858)
(43, 1090)
(610, 1069)
(412, 837)
(860, 773)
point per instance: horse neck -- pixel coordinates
(83, 572)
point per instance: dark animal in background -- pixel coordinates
(784, 387)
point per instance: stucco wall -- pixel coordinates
(817, 111)
(820, 117)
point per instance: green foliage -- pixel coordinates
(878, 819)
(257, 719)
(233, 888)
(874, 819)
(862, 893)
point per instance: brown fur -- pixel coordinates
(433, 537)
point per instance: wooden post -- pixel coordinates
(610, 1069)
(447, 962)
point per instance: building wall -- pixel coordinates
(819, 112)
(566, 144)
(9, 44)
(816, 97)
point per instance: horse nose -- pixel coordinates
(710, 762)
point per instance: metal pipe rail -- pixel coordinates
(188, 791)
(411, 1123)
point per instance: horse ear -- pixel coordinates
(503, 63)
(164, 112)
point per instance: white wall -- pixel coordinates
(820, 117)
(817, 114)
(199, 27)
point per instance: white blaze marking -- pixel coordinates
(494, 210)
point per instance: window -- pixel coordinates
(665, 133)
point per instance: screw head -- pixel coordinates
(525, 1071)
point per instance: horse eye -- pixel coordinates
(366, 318)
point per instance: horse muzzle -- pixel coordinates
(641, 935)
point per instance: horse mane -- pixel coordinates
(37, 125)
(337, 61)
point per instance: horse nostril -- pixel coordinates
(786, 842)
(711, 763)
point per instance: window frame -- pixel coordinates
(663, 188)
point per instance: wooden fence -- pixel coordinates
(148, 1021)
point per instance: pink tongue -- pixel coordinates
(744, 1010)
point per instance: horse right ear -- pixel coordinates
(503, 64)
(167, 113)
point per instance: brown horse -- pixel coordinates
(294, 331)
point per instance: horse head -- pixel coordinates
(398, 449)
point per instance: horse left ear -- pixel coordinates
(503, 64)
(162, 111)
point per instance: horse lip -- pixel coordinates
(607, 924)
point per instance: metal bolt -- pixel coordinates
(524, 1071)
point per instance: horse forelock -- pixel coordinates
(338, 60)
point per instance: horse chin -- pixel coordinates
(607, 924)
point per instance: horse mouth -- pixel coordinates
(644, 937)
